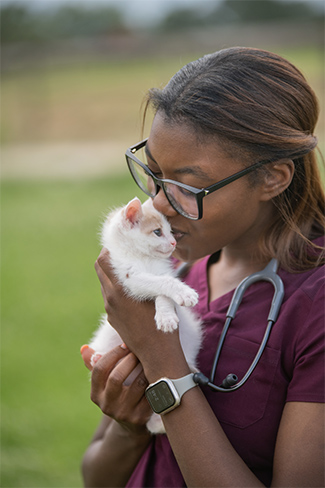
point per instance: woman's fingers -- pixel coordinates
(119, 374)
(118, 384)
(103, 263)
(111, 357)
(110, 286)
(86, 353)
(105, 283)
(104, 269)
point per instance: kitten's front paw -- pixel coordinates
(187, 298)
(167, 322)
(94, 358)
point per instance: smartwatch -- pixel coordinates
(165, 394)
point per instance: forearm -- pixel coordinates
(204, 454)
(194, 425)
(110, 459)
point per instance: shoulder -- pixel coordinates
(309, 284)
(304, 298)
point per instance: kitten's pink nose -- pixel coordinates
(173, 242)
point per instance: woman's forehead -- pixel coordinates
(177, 146)
(193, 169)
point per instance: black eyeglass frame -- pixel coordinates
(199, 193)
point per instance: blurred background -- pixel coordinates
(73, 76)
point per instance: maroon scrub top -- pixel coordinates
(291, 370)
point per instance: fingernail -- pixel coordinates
(83, 348)
(124, 346)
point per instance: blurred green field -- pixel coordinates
(51, 302)
(100, 101)
(94, 101)
(50, 294)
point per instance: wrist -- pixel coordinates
(163, 356)
(172, 366)
(139, 433)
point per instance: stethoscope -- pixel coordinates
(231, 383)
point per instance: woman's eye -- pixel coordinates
(158, 232)
(157, 174)
(186, 193)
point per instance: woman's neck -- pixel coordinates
(230, 269)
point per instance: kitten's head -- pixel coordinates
(146, 230)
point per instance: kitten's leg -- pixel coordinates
(104, 339)
(150, 286)
(165, 317)
(155, 424)
(183, 294)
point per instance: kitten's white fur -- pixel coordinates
(140, 243)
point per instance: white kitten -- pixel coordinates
(140, 243)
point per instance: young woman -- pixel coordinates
(237, 108)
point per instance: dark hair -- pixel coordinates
(261, 104)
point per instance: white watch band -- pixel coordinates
(184, 384)
(165, 394)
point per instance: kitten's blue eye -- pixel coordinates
(158, 232)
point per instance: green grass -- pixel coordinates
(51, 302)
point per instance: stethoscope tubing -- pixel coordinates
(231, 383)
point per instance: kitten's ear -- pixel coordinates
(133, 211)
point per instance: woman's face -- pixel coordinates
(233, 216)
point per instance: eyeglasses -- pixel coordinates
(185, 199)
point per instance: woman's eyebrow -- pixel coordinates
(148, 153)
(189, 170)
(192, 170)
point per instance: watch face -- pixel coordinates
(160, 397)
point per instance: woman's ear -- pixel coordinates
(277, 178)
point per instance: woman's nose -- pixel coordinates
(161, 204)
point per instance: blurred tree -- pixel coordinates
(262, 10)
(250, 10)
(230, 11)
(19, 24)
(181, 19)
(73, 21)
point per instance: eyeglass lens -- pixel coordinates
(143, 179)
(182, 200)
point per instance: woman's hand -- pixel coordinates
(123, 402)
(134, 321)
(122, 436)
